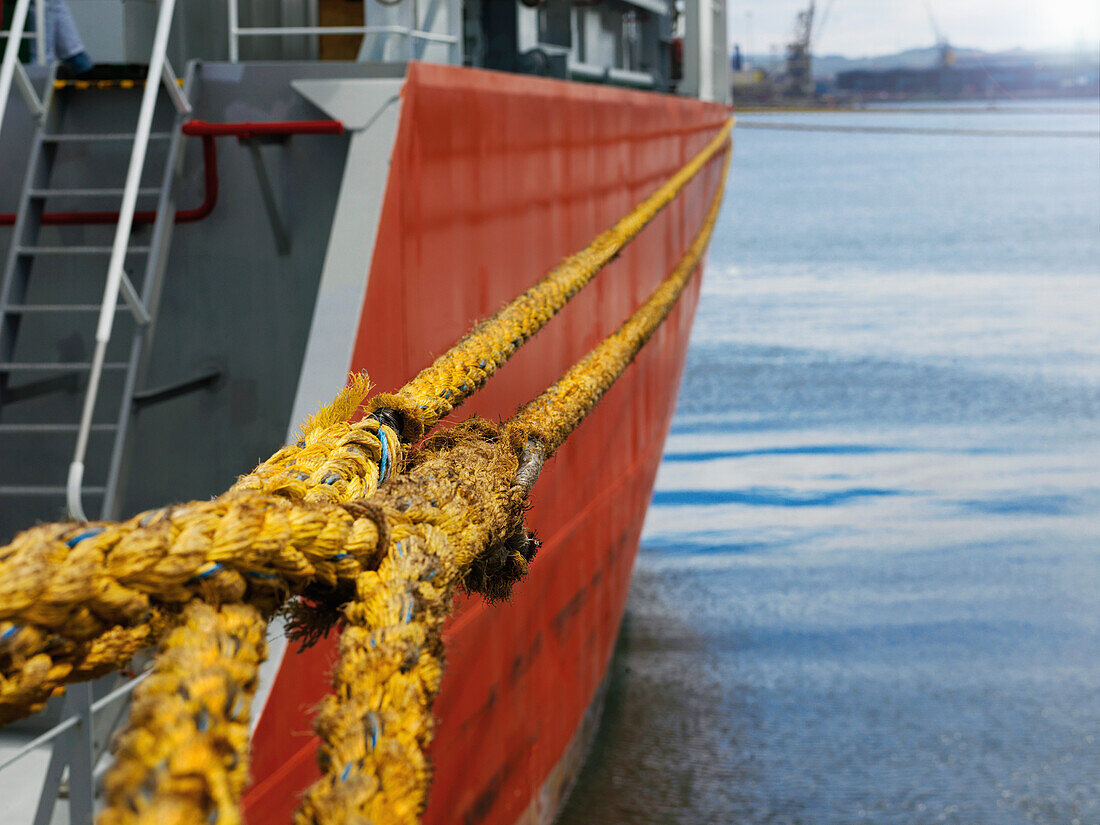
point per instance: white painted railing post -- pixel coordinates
(154, 77)
(234, 38)
(11, 52)
(40, 32)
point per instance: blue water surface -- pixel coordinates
(869, 587)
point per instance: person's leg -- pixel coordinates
(63, 38)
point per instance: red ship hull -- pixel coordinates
(493, 180)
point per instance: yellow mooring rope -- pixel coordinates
(183, 756)
(204, 578)
(78, 601)
(455, 519)
(465, 367)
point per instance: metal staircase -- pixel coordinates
(59, 403)
(63, 393)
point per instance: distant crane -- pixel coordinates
(799, 71)
(800, 77)
(946, 53)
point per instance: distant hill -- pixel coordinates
(827, 66)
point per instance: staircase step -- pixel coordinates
(75, 366)
(53, 428)
(43, 490)
(92, 137)
(89, 193)
(78, 250)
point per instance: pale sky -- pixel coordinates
(857, 28)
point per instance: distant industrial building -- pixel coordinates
(973, 81)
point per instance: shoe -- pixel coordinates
(100, 71)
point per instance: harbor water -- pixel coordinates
(869, 583)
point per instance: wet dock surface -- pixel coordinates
(869, 587)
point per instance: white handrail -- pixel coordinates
(234, 23)
(34, 103)
(70, 721)
(289, 30)
(236, 31)
(118, 252)
(40, 33)
(11, 53)
(179, 99)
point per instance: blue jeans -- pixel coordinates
(62, 38)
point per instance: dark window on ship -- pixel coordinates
(629, 54)
(580, 14)
(555, 25)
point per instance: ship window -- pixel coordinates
(631, 40)
(555, 23)
(580, 16)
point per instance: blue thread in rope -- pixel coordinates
(384, 464)
(375, 729)
(87, 534)
(213, 568)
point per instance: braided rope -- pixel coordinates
(182, 757)
(78, 599)
(456, 518)
(334, 460)
(552, 416)
(466, 366)
(86, 602)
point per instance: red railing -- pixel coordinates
(207, 132)
(245, 130)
